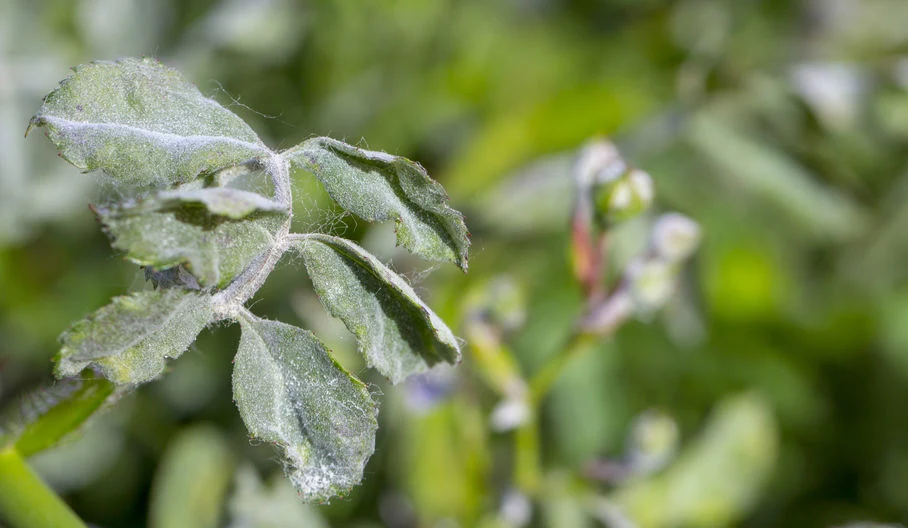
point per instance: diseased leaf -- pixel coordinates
(379, 186)
(222, 201)
(143, 123)
(291, 392)
(398, 334)
(129, 339)
(213, 248)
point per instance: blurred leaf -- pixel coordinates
(379, 186)
(772, 175)
(450, 440)
(43, 417)
(397, 332)
(191, 480)
(291, 392)
(141, 122)
(717, 478)
(129, 339)
(254, 505)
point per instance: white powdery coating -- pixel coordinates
(291, 393)
(397, 333)
(141, 122)
(224, 201)
(377, 186)
(130, 339)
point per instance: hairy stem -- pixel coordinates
(25, 501)
(228, 302)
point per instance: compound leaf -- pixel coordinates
(290, 391)
(171, 230)
(143, 123)
(398, 334)
(379, 186)
(129, 339)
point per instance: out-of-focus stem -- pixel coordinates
(527, 456)
(542, 381)
(25, 501)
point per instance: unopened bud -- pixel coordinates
(624, 197)
(675, 237)
(651, 283)
(599, 161)
(509, 414)
(653, 442)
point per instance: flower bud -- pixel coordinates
(599, 161)
(624, 197)
(509, 414)
(675, 237)
(653, 442)
(651, 283)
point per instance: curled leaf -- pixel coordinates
(398, 334)
(379, 186)
(291, 392)
(164, 233)
(222, 201)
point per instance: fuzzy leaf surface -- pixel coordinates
(129, 339)
(377, 186)
(221, 201)
(290, 391)
(163, 233)
(397, 333)
(143, 123)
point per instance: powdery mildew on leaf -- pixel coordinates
(222, 201)
(378, 186)
(291, 392)
(210, 220)
(143, 123)
(214, 249)
(397, 333)
(129, 339)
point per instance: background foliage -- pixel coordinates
(780, 126)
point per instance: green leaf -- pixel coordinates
(398, 334)
(379, 186)
(719, 475)
(163, 233)
(254, 504)
(41, 418)
(290, 391)
(143, 123)
(191, 480)
(129, 339)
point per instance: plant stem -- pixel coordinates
(25, 501)
(540, 384)
(227, 302)
(527, 455)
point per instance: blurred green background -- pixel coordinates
(782, 365)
